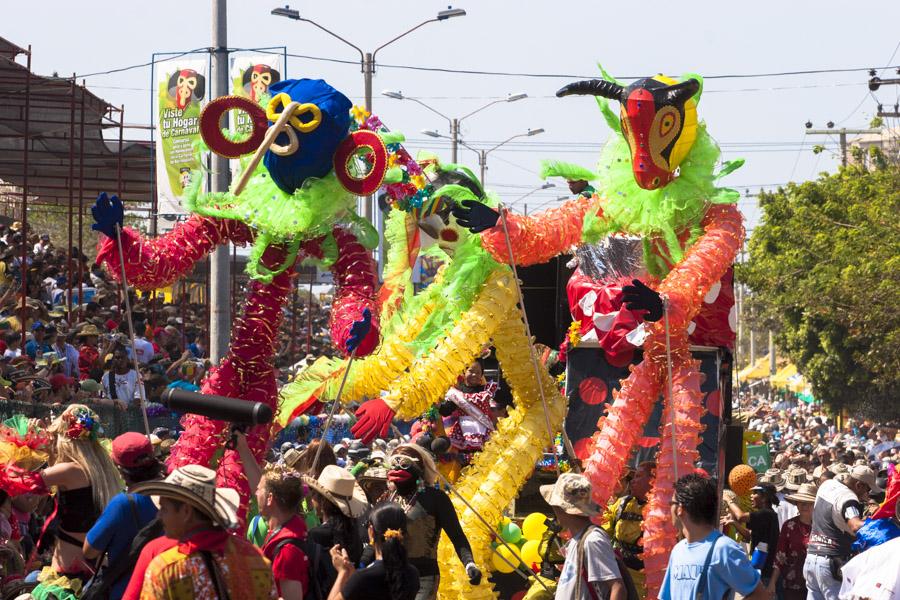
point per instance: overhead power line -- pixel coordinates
(497, 73)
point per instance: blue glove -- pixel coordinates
(359, 330)
(475, 216)
(108, 212)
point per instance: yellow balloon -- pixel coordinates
(502, 565)
(531, 552)
(534, 527)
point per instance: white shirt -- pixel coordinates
(599, 560)
(143, 349)
(785, 511)
(126, 386)
(873, 574)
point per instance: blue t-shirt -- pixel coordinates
(729, 570)
(116, 528)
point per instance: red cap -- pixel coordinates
(132, 449)
(59, 381)
(111, 325)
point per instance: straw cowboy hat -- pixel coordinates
(806, 493)
(89, 329)
(195, 485)
(774, 477)
(428, 467)
(794, 478)
(572, 494)
(340, 488)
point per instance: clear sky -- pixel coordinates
(760, 119)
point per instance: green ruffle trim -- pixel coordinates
(568, 171)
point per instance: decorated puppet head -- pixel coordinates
(185, 86)
(449, 184)
(257, 80)
(658, 119)
(309, 175)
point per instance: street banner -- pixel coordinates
(181, 91)
(251, 76)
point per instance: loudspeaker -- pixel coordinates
(734, 447)
(546, 303)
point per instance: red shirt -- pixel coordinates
(291, 562)
(791, 553)
(153, 549)
(87, 359)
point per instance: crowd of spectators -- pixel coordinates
(85, 355)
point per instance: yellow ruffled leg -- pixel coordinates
(499, 471)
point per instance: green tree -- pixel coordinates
(825, 266)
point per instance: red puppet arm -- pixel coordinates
(356, 278)
(705, 262)
(538, 238)
(154, 263)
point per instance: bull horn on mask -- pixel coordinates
(593, 87)
(679, 93)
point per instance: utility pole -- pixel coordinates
(454, 140)
(842, 133)
(220, 265)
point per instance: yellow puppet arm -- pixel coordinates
(431, 376)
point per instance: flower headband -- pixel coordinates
(81, 423)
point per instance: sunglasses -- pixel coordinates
(402, 461)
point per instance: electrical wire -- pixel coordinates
(490, 73)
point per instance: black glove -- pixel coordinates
(638, 296)
(446, 408)
(475, 216)
(474, 574)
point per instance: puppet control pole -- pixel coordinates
(537, 375)
(134, 360)
(334, 405)
(665, 300)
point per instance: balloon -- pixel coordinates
(510, 533)
(511, 556)
(533, 527)
(531, 552)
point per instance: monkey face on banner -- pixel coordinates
(257, 79)
(186, 86)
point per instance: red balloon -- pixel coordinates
(592, 390)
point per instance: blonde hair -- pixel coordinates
(88, 454)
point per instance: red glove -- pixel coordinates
(16, 481)
(374, 420)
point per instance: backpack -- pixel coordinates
(631, 592)
(322, 574)
(100, 584)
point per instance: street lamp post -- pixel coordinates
(483, 153)
(367, 59)
(454, 122)
(546, 186)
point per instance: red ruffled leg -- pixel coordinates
(659, 532)
(246, 372)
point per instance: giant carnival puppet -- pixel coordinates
(656, 180)
(295, 207)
